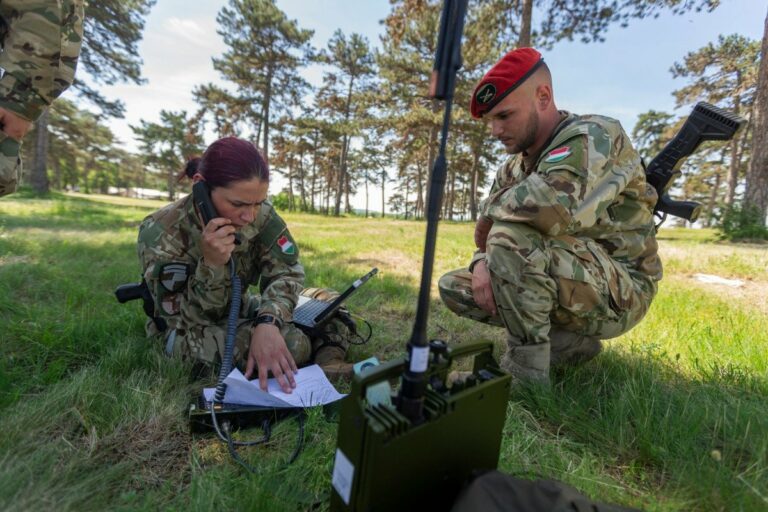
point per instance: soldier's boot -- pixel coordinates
(528, 364)
(570, 348)
(331, 360)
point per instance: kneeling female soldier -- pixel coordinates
(185, 267)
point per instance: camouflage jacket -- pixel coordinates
(588, 182)
(187, 291)
(41, 43)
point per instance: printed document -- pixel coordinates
(312, 388)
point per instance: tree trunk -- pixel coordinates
(452, 196)
(302, 181)
(383, 182)
(39, 176)
(525, 24)
(756, 193)
(290, 189)
(56, 173)
(418, 206)
(733, 169)
(267, 101)
(314, 175)
(407, 183)
(347, 187)
(712, 202)
(170, 181)
(366, 194)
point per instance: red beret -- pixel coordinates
(503, 78)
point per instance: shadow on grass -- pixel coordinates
(90, 216)
(662, 428)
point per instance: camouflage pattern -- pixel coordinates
(194, 299)
(572, 243)
(41, 42)
(10, 164)
(41, 45)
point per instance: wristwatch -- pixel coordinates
(268, 319)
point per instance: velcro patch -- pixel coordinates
(286, 245)
(171, 304)
(558, 154)
(173, 276)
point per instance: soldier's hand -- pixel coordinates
(14, 126)
(481, 287)
(482, 228)
(268, 352)
(218, 241)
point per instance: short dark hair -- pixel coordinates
(227, 160)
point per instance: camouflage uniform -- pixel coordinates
(194, 298)
(41, 42)
(572, 247)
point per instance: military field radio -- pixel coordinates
(418, 449)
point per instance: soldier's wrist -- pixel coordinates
(268, 319)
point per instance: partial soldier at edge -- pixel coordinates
(41, 42)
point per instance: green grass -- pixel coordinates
(673, 416)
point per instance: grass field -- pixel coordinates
(672, 416)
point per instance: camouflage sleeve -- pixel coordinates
(282, 276)
(495, 186)
(574, 183)
(479, 255)
(40, 51)
(182, 285)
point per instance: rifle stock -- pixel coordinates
(706, 122)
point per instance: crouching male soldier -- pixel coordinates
(566, 249)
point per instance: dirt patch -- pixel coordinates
(750, 295)
(392, 260)
(158, 453)
(13, 259)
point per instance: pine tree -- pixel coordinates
(168, 145)
(266, 51)
(724, 74)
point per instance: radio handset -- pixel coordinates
(201, 195)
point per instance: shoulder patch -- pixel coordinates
(276, 238)
(286, 245)
(558, 154)
(171, 304)
(173, 276)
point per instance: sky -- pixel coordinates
(622, 77)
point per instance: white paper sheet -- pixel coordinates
(312, 388)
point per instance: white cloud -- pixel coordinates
(187, 29)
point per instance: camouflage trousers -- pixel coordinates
(540, 282)
(206, 343)
(10, 164)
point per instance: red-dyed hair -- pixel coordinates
(229, 160)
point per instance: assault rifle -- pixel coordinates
(706, 122)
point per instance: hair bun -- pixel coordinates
(192, 165)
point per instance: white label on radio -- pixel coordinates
(419, 359)
(343, 473)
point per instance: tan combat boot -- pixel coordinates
(331, 360)
(527, 363)
(569, 348)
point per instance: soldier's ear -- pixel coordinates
(543, 96)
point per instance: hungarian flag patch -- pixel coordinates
(286, 245)
(558, 154)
